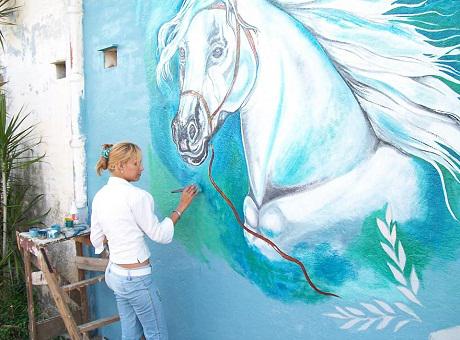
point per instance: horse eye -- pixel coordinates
(217, 52)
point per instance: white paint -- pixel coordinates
(75, 11)
(42, 35)
(38, 278)
(452, 333)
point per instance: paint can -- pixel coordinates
(34, 232)
(42, 233)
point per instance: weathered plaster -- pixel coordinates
(41, 36)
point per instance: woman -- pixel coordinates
(121, 215)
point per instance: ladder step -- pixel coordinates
(86, 327)
(83, 283)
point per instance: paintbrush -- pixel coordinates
(177, 191)
(182, 189)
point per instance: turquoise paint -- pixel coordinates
(213, 285)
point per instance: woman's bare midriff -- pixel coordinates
(134, 265)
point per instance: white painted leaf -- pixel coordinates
(340, 310)
(388, 215)
(336, 316)
(350, 323)
(389, 252)
(400, 324)
(385, 306)
(354, 311)
(385, 321)
(397, 275)
(393, 236)
(371, 308)
(406, 309)
(401, 256)
(366, 325)
(383, 229)
(414, 282)
(408, 294)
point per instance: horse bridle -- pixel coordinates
(198, 95)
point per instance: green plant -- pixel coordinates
(20, 215)
(7, 8)
(13, 311)
(17, 144)
(16, 205)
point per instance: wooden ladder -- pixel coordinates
(76, 324)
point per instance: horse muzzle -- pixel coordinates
(190, 141)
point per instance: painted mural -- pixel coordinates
(325, 137)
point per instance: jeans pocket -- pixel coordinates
(107, 278)
(147, 281)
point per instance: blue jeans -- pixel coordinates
(139, 305)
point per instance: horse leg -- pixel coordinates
(251, 221)
(334, 212)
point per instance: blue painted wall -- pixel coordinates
(213, 285)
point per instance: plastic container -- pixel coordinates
(68, 222)
(42, 233)
(74, 212)
(34, 232)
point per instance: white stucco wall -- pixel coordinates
(40, 37)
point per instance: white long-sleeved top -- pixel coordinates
(123, 213)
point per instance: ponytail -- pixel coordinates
(103, 162)
(112, 154)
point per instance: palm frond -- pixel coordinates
(7, 9)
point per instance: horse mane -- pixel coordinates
(396, 73)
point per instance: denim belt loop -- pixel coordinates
(129, 275)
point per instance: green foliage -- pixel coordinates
(13, 311)
(17, 141)
(7, 8)
(17, 144)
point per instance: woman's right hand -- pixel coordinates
(188, 194)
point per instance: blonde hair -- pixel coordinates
(113, 154)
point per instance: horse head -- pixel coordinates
(217, 68)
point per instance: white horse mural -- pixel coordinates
(335, 99)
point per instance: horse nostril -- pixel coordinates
(192, 131)
(183, 145)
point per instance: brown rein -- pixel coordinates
(259, 236)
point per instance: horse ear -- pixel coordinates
(245, 80)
